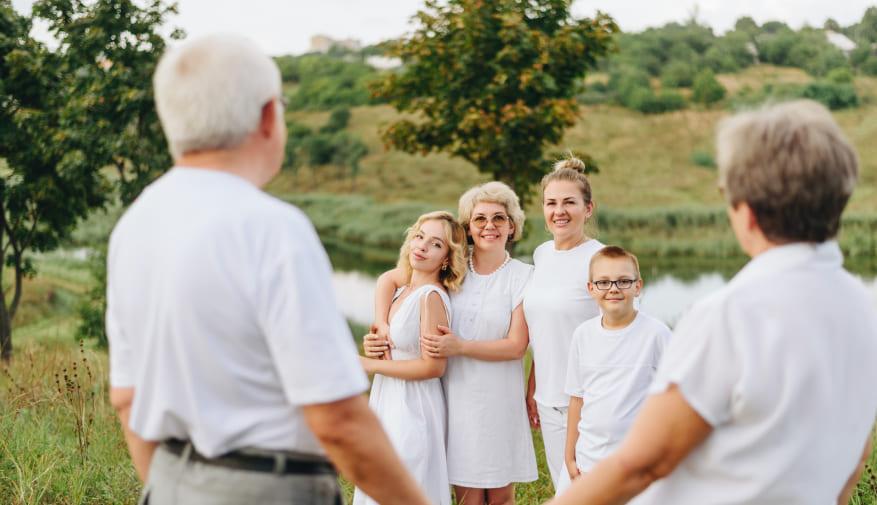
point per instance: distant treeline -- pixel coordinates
(656, 70)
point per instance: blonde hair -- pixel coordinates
(493, 192)
(792, 165)
(570, 169)
(613, 252)
(455, 237)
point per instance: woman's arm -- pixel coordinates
(532, 409)
(666, 430)
(377, 344)
(513, 346)
(573, 416)
(432, 314)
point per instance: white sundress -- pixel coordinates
(413, 412)
(489, 439)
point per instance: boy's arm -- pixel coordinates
(432, 314)
(446, 344)
(532, 409)
(574, 415)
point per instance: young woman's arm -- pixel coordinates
(532, 410)
(573, 416)
(377, 344)
(513, 346)
(432, 314)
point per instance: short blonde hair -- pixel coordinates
(210, 90)
(570, 169)
(792, 165)
(493, 192)
(455, 237)
(613, 252)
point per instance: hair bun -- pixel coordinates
(571, 163)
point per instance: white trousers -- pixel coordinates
(553, 423)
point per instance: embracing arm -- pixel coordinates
(141, 450)
(574, 415)
(513, 346)
(666, 430)
(432, 314)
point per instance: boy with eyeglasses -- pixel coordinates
(613, 358)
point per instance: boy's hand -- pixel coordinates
(444, 345)
(573, 469)
(532, 412)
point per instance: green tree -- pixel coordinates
(707, 89)
(67, 113)
(492, 82)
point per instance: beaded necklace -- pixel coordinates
(504, 263)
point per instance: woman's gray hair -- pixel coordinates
(209, 92)
(492, 192)
(792, 165)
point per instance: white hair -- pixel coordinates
(209, 92)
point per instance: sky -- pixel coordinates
(285, 26)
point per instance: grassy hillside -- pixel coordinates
(645, 160)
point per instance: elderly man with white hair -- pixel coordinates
(232, 371)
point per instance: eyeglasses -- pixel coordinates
(604, 285)
(498, 220)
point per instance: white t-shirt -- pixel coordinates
(611, 370)
(555, 304)
(221, 316)
(780, 363)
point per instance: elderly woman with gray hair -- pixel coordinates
(766, 391)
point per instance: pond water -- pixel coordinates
(665, 295)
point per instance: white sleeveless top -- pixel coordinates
(413, 412)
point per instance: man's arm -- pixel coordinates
(850, 486)
(141, 450)
(663, 434)
(355, 442)
(573, 416)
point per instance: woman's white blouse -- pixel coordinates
(489, 440)
(555, 304)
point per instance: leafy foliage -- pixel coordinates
(65, 114)
(492, 82)
(327, 81)
(707, 89)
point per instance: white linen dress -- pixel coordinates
(413, 412)
(489, 440)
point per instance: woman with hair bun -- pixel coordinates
(557, 302)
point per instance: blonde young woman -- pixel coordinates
(557, 302)
(489, 442)
(406, 393)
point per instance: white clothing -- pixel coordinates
(489, 439)
(780, 363)
(552, 424)
(221, 316)
(611, 370)
(555, 304)
(413, 412)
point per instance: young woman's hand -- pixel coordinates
(572, 469)
(377, 347)
(443, 345)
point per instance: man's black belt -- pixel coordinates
(278, 463)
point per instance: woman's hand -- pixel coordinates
(532, 412)
(444, 345)
(382, 330)
(572, 469)
(375, 346)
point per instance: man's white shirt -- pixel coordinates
(221, 316)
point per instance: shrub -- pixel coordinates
(677, 74)
(338, 120)
(703, 159)
(707, 89)
(644, 100)
(834, 96)
(840, 75)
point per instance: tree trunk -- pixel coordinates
(5, 332)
